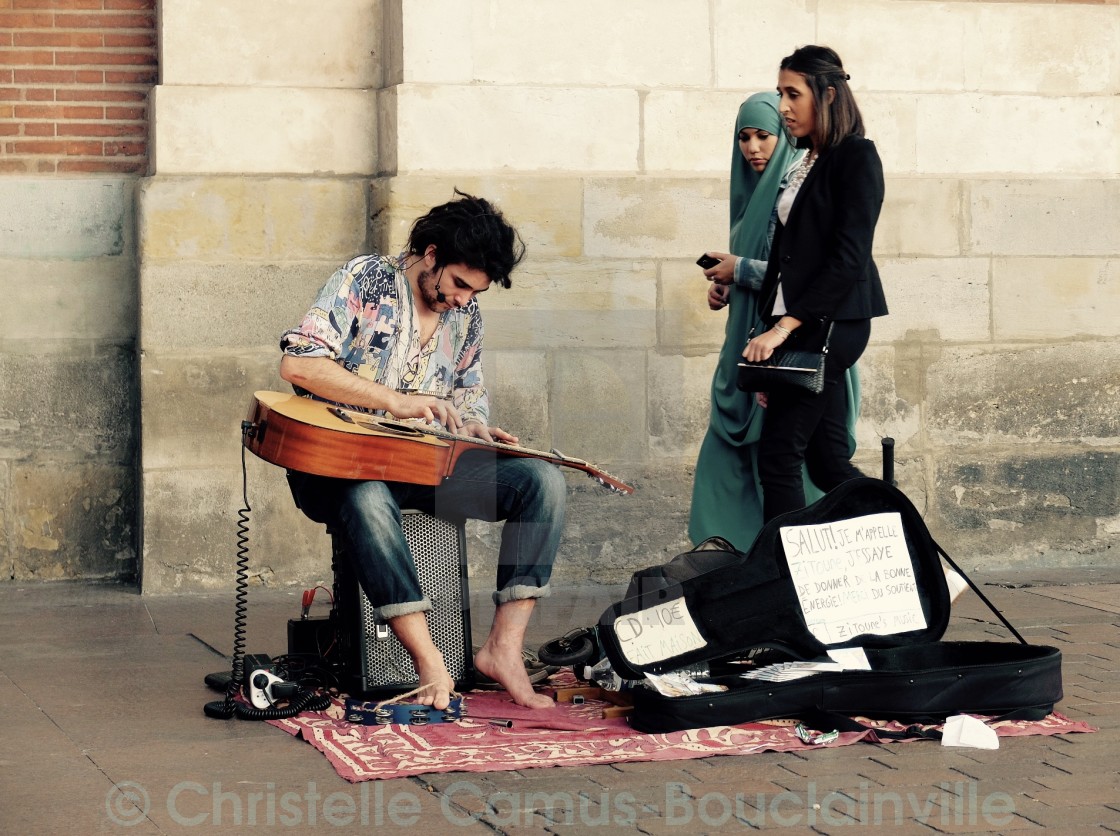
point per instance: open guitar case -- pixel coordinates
(728, 612)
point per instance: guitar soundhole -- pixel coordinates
(384, 426)
(374, 424)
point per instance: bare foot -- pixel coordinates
(435, 681)
(507, 667)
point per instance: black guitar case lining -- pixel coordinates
(917, 684)
(740, 605)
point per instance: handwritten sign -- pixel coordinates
(853, 577)
(658, 632)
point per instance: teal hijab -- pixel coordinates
(753, 195)
(726, 495)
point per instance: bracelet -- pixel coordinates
(785, 332)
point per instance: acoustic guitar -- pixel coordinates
(327, 440)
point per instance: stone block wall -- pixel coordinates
(68, 432)
(264, 137)
(995, 244)
(74, 79)
(288, 137)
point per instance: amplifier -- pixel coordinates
(373, 662)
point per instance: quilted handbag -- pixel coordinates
(785, 368)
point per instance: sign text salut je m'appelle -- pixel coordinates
(853, 577)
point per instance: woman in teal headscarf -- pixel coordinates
(726, 495)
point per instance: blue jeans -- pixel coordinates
(529, 494)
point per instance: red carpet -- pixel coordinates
(568, 735)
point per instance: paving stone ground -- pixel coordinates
(103, 693)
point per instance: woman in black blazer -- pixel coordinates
(819, 273)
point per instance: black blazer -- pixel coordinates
(823, 252)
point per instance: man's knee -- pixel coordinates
(553, 486)
(371, 500)
(542, 481)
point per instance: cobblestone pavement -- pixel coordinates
(103, 692)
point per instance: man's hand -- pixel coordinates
(476, 429)
(325, 378)
(429, 408)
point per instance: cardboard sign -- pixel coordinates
(658, 632)
(854, 577)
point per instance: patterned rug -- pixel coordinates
(567, 735)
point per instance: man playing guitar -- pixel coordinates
(402, 337)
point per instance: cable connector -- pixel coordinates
(308, 600)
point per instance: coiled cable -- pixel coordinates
(225, 709)
(304, 700)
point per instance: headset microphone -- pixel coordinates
(441, 298)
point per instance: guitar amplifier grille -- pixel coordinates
(377, 661)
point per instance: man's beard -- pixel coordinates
(427, 281)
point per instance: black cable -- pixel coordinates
(225, 709)
(309, 672)
(304, 701)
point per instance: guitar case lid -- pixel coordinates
(856, 568)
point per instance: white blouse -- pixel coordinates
(796, 177)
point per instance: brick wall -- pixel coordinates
(74, 82)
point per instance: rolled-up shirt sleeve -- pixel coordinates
(329, 321)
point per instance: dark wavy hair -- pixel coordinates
(840, 118)
(472, 231)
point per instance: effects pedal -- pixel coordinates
(264, 687)
(258, 688)
(219, 680)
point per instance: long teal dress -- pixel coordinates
(726, 494)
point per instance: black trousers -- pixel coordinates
(803, 428)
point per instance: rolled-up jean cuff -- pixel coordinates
(520, 592)
(383, 614)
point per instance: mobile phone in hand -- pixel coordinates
(706, 261)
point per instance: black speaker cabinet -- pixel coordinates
(374, 664)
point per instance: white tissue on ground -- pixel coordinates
(963, 730)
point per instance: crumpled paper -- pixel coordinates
(963, 730)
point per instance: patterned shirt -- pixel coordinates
(364, 319)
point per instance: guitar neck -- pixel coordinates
(466, 442)
(554, 456)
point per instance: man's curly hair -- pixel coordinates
(472, 231)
